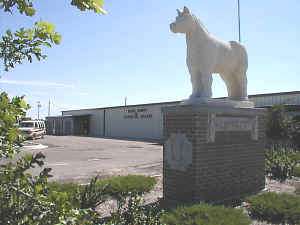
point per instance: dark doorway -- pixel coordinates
(82, 125)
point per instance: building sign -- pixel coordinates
(230, 123)
(138, 113)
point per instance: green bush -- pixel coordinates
(70, 188)
(280, 162)
(275, 208)
(296, 157)
(92, 195)
(25, 199)
(297, 189)
(277, 128)
(71, 191)
(132, 212)
(204, 214)
(295, 131)
(127, 185)
(296, 172)
(116, 187)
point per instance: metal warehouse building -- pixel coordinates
(143, 121)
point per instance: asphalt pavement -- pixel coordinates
(80, 158)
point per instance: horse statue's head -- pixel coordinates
(185, 22)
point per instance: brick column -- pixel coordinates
(212, 154)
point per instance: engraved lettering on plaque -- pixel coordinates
(229, 123)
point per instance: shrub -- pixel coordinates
(275, 208)
(92, 195)
(277, 123)
(295, 131)
(138, 184)
(296, 172)
(296, 156)
(98, 190)
(280, 162)
(204, 214)
(24, 198)
(127, 185)
(70, 190)
(132, 212)
(297, 189)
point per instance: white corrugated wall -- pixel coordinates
(144, 122)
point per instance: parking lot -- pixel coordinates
(79, 158)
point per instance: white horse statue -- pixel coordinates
(207, 55)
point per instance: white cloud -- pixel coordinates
(36, 83)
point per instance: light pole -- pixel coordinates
(239, 20)
(49, 105)
(39, 106)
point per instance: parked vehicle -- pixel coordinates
(32, 129)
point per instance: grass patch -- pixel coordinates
(275, 208)
(204, 214)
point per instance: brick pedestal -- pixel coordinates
(212, 154)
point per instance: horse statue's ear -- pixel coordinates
(186, 10)
(178, 12)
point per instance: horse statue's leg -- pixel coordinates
(240, 78)
(207, 80)
(244, 93)
(228, 82)
(202, 85)
(236, 86)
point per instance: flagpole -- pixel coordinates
(239, 20)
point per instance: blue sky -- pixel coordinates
(131, 52)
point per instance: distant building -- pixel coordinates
(144, 121)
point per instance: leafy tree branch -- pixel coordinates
(94, 5)
(26, 6)
(25, 44)
(23, 6)
(10, 111)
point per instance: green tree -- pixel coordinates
(25, 198)
(26, 44)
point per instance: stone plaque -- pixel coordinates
(228, 123)
(178, 152)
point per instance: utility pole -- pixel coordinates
(239, 21)
(49, 105)
(39, 106)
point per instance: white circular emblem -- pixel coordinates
(178, 152)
